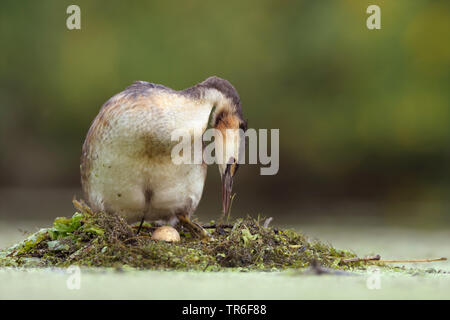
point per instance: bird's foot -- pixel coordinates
(194, 228)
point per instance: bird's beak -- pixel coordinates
(227, 186)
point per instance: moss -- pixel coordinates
(102, 240)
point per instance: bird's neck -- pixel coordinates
(218, 102)
(215, 97)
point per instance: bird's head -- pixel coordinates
(229, 125)
(228, 122)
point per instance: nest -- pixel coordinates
(97, 239)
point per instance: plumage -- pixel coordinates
(126, 164)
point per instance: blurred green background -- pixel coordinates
(363, 114)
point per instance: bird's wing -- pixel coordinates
(147, 110)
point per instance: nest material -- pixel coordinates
(104, 240)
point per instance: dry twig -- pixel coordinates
(374, 258)
(377, 259)
(214, 226)
(411, 260)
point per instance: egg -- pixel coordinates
(166, 233)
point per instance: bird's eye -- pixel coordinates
(219, 117)
(243, 126)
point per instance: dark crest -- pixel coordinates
(221, 85)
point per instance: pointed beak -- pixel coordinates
(227, 186)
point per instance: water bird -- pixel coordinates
(126, 164)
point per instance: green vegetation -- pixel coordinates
(103, 240)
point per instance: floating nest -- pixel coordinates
(103, 240)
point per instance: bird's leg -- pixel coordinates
(140, 226)
(148, 197)
(195, 229)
